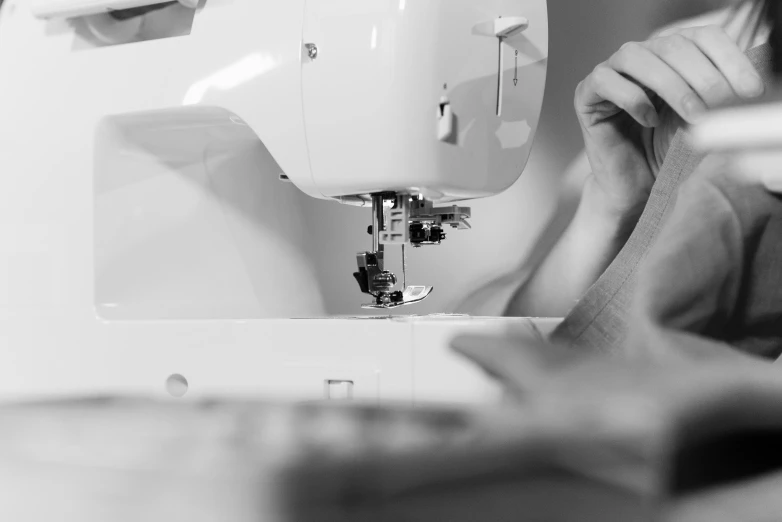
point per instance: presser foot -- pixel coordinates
(401, 220)
(411, 295)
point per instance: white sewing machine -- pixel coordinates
(145, 226)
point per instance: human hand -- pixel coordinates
(631, 105)
(536, 371)
(522, 365)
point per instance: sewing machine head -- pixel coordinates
(441, 108)
(399, 106)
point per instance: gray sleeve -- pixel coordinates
(689, 284)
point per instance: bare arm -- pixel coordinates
(590, 242)
(491, 298)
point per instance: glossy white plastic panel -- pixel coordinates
(191, 222)
(383, 68)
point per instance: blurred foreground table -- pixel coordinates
(631, 449)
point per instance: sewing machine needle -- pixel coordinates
(404, 269)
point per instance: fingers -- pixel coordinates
(607, 85)
(495, 356)
(521, 365)
(728, 59)
(692, 70)
(645, 67)
(688, 60)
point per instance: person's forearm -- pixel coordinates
(588, 246)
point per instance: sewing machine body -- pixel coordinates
(146, 226)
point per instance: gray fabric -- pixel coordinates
(712, 285)
(599, 321)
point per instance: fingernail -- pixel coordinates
(751, 85)
(651, 117)
(693, 108)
